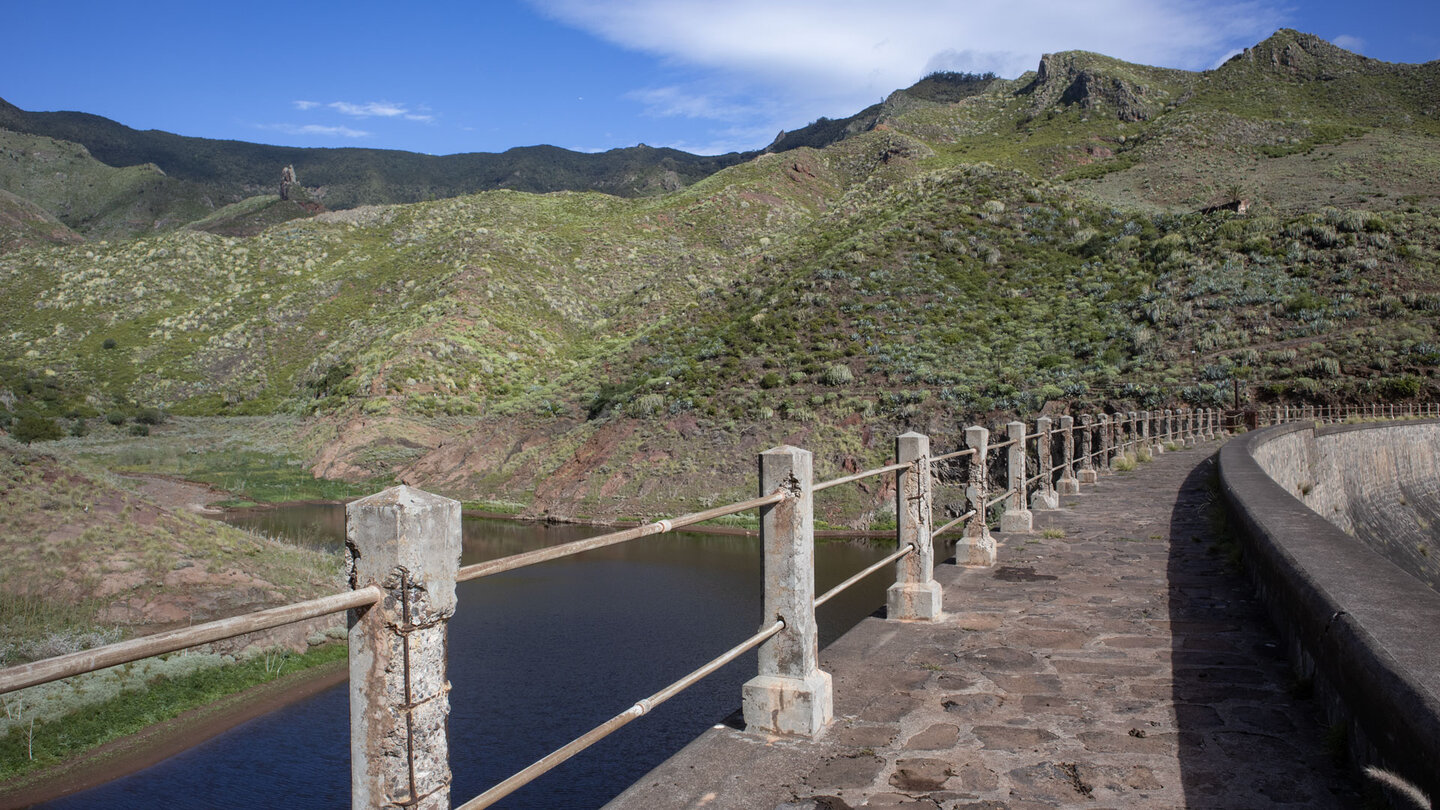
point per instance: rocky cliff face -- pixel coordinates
(1075, 77)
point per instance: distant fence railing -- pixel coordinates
(403, 555)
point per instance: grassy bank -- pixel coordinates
(31, 745)
(258, 459)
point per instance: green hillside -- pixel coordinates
(343, 178)
(971, 248)
(62, 179)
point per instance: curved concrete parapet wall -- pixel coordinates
(1366, 632)
(1377, 483)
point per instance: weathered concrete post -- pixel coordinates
(406, 542)
(1189, 427)
(1088, 475)
(1017, 517)
(1132, 438)
(979, 544)
(791, 695)
(1107, 441)
(1143, 442)
(1045, 496)
(1069, 484)
(1169, 426)
(915, 596)
(1157, 437)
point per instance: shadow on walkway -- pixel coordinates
(1246, 726)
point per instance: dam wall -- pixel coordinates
(1336, 524)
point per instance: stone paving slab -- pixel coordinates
(1111, 661)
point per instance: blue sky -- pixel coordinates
(707, 77)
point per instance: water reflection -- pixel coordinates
(537, 657)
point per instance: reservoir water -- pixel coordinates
(538, 656)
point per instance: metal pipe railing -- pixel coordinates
(998, 498)
(79, 663)
(515, 561)
(957, 521)
(838, 589)
(857, 476)
(641, 707)
(957, 454)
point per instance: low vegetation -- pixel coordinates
(33, 737)
(971, 248)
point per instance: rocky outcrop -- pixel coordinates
(1303, 56)
(1070, 78)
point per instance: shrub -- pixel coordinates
(150, 416)
(36, 428)
(770, 380)
(838, 374)
(647, 405)
(109, 343)
(115, 418)
(139, 430)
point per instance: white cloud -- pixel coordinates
(315, 129)
(373, 109)
(790, 62)
(382, 109)
(1349, 43)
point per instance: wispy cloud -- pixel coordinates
(800, 59)
(674, 101)
(383, 109)
(305, 105)
(379, 109)
(316, 129)
(1349, 43)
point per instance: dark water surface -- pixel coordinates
(538, 656)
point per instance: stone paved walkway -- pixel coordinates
(1112, 661)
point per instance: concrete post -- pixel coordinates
(979, 544)
(1107, 441)
(1088, 475)
(1045, 496)
(1144, 443)
(406, 542)
(791, 695)
(1017, 517)
(1169, 426)
(1157, 443)
(1189, 427)
(915, 596)
(1069, 484)
(1132, 438)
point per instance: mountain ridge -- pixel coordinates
(349, 176)
(967, 252)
